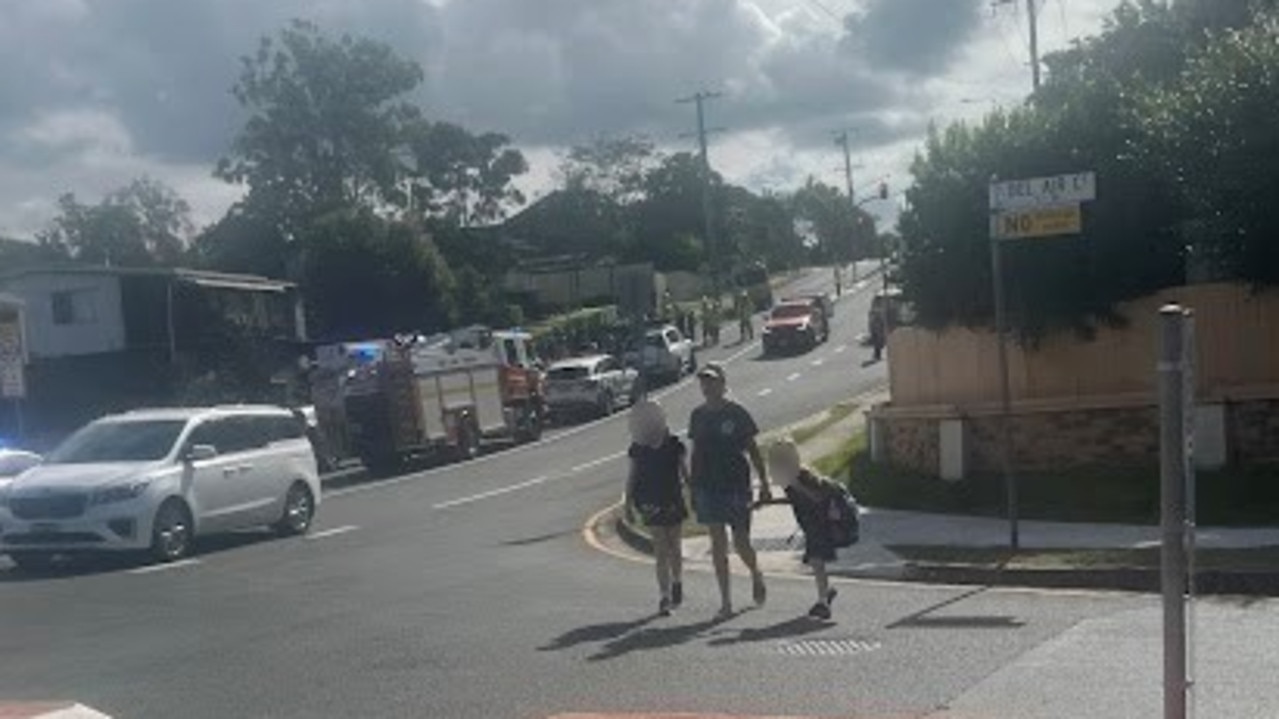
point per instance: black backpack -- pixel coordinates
(842, 514)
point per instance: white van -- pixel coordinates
(153, 480)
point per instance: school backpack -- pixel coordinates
(842, 514)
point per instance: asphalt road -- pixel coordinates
(468, 591)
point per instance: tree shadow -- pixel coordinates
(654, 638)
(797, 627)
(595, 633)
(538, 539)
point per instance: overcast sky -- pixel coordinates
(96, 92)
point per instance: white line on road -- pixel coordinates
(153, 568)
(597, 462)
(765, 392)
(792, 377)
(491, 493)
(840, 349)
(819, 362)
(332, 532)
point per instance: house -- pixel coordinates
(76, 311)
(104, 339)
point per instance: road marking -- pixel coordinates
(840, 349)
(332, 532)
(597, 462)
(765, 392)
(792, 377)
(819, 362)
(492, 493)
(153, 568)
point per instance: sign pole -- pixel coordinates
(1172, 496)
(1005, 395)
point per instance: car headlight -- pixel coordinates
(118, 492)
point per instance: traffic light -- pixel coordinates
(883, 190)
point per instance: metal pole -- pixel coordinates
(1172, 494)
(1034, 42)
(1005, 396)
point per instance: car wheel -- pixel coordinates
(171, 532)
(299, 510)
(32, 561)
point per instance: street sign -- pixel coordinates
(1039, 192)
(13, 383)
(1041, 222)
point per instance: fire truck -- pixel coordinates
(442, 397)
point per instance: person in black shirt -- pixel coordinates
(808, 495)
(656, 490)
(723, 435)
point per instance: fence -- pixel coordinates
(1238, 344)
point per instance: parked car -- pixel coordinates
(795, 325)
(665, 354)
(598, 383)
(15, 461)
(154, 480)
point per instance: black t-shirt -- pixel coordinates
(657, 479)
(720, 438)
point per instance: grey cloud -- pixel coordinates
(919, 37)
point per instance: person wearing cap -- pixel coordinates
(723, 435)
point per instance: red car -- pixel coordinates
(796, 325)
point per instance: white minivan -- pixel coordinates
(155, 479)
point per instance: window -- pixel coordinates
(231, 434)
(74, 307)
(119, 441)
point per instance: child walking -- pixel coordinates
(814, 500)
(655, 487)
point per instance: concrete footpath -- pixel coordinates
(779, 542)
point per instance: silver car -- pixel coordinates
(598, 383)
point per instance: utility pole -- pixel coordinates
(1031, 12)
(712, 246)
(841, 139)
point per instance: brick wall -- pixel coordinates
(1122, 437)
(912, 443)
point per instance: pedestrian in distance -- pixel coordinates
(723, 435)
(824, 511)
(745, 327)
(655, 487)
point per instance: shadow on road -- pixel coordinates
(922, 620)
(538, 539)
(654, 638)
(595, 633)
(790, 628)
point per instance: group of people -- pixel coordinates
(718, 475)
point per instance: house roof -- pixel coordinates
(203, 278)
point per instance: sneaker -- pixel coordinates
(677, 594)
(724, 613)
(664, 607)
(830, 596)
(820, 610)
(759, 591)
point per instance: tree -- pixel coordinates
(367, 276)
(143, 224)
(1213, 134)
(844, 233)
(614, 167)
(462, 178)
(326, 117)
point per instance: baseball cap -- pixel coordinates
(712, 370)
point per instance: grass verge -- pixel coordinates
(1227, 497)
(1252, 559)
(833, 415)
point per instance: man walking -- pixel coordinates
(723, 434)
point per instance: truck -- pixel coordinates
(439, 397)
